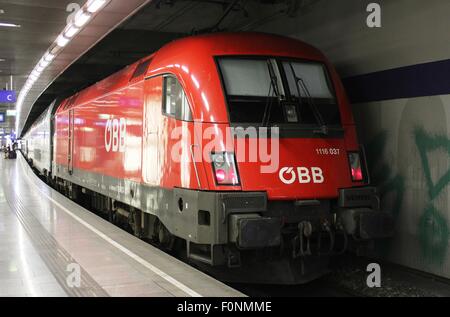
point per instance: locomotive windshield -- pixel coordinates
(276, 91)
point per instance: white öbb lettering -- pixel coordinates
(302, 175)
(115, 135)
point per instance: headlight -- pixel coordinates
(224, 166)
(356, 170)
(219, 160)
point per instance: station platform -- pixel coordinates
(46, 240)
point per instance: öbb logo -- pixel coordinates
(115, 135)
(304, 175)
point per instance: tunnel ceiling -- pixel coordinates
(29, 30)
(158, 23)
(39, 22)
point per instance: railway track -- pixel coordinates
(318, 288)
(348, 279)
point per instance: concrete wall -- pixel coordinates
(407, 138)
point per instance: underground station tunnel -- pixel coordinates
(239, 151)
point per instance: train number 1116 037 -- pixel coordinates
(328, 151)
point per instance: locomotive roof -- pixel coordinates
(248, 43)
(216, 44)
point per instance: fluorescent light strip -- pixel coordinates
(95, 5)
(71, 31)
(62, 41)
(81, 18)
(48, 57)
(9, 25)
(44, 63)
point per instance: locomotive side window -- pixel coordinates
(175, 103)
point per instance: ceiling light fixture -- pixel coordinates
(81, 18)
(71, 31)
(95, 5)
(10, 25)
(62, 40)
(48, 57)
(44, 63)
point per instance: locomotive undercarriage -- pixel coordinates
(292, 242)
(244, 237)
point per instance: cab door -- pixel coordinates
(70, 142)
(152, 112)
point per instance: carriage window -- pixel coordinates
(175, 100)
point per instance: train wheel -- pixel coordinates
(111, 216)
(166, 239)
(134, 221)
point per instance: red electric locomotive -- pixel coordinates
(241, 145)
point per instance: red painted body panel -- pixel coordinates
(148, 140)
(301, 153)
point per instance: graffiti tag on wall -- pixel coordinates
(433, 230)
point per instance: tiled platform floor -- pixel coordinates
(45, 238)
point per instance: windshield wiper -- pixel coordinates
(300, 83)
(276, 91)
(323, 128)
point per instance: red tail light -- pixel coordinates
(356, 167)
(225, 170)
(221, 176)
(357, 174)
